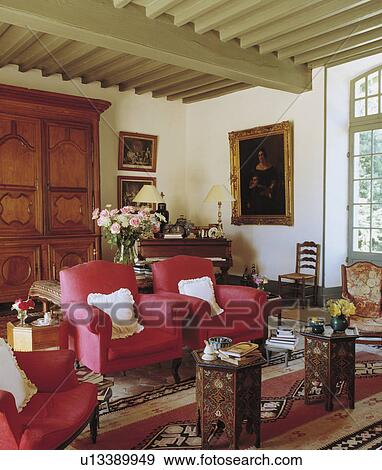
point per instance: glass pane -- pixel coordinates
(376, 241)
(359, 108)
(361, 215)
(372, 83)
(377, 191)
(372, 105)
(362, 143)
(377, 166)
(362, 191)
(362, 167)
(377, 141)
(377, 216)
(361, 239)
(360, 88)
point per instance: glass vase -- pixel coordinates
(126, 254)
(22, 317)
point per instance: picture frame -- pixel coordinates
(137, 152)
(128, 188)
(262, 175)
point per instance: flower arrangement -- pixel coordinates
(259, 281)
(123, 227)
(338, 307)
(22, 307)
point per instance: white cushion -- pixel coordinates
(119, 305)
(13, 379)
(202, 288)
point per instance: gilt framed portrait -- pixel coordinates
(128, 188)
(262, 175)
(137, 152)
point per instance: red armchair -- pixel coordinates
(90, 329)
(58, 412)
(242, 319)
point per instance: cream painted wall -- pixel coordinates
(128, 112)
(208, 163)
(337, 146)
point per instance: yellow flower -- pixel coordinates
(334, 310)
(340, 307)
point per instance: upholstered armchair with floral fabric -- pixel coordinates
(361, 284)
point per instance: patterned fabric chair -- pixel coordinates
(361, 284)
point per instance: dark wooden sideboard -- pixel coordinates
(216, 249)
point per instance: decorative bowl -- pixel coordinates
(317, 324)
(220, 342)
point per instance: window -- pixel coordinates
(365, 209)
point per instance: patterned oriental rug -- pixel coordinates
(165, 418)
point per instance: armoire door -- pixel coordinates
(20, 176)
(19, 268)
(67, 253)
(69, 178)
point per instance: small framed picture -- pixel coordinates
(128, 188)
(137, 152)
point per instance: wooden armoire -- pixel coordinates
(49, 185)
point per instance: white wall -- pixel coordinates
(128, 112)
(208, 162)
(337, 146)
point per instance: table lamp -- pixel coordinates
(148, 194)
(219, 193)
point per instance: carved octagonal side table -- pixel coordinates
(329, 365)
(226, 395)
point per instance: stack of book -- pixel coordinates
(283, 338)
(238, 353)
(175, 236)
(143, 268)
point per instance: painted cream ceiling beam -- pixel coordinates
(109, 68)
(3, 28)
(88, 63)
(273, 11)
(128, 30)
(165, 82)
(339, 46)
(121, 3)
(200, 89)
(187, 85)
(56, 62)
(324, 39)
(217, 93)
(33, 56)
(341, 57)
(157, 7)
(324, 26)
(142, 67)
(162, 72)
(226, 13)
(298, 20)
(183, 15)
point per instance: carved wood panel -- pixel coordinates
(69, 212)
(19, 267)
(20, 176)
(65, 254)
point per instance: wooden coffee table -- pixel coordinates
(226, 395)
(33, 338)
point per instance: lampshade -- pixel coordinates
(148, 194)
(218, 193)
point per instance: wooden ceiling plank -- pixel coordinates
(273, 11)
(226, 13)
(217, 93)
(200, 89)
(128, 30)
(17, 47)
(143, 79)
(3, 28)
(196, 10)
(142, 66)
(56, 62)
(165, 82)
(339, 20)
(105, 70)
(348, 55)
(92, 60)
(185, 85)
(339, 46)
(327, 38)
(121, 3)
(157, 7)
(30, 58)
(300, 19)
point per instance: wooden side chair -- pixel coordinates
(304, 281)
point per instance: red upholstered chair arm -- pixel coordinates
(11, 428)
(50, 371)
(226, 293)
